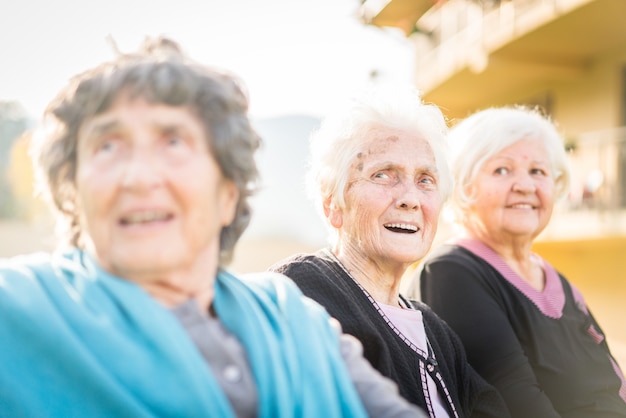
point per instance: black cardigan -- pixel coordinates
(542, 366)
(321, 278)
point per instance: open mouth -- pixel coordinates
(401, 228)
(141, 218)
(522, 206)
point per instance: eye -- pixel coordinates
(501, 171)
(107, 145)
(384, 177)
(174, 140)
(538, 172)
(173, 136)
(427, 180)
(381, 175)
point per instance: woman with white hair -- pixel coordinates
(526, 329)
(379, 174)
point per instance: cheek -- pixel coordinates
(488, 197)
(358, 219)
(431, 204)
(354, 218)
(547, 190)
(93, 188)
(84, 190)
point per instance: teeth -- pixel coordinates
(141, 217)
(522, 206)
(402, 226)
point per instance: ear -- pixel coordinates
(468, 189)
(229, 197)
(333, 213)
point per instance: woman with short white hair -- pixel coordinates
(379, 176)
(526, 328)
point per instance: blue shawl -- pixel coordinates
(76, 341)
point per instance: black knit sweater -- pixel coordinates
(323, 279)
(543, 366)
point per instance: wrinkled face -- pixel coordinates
(514, 192)
(151, 196)
(392, 199)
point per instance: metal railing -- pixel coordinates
(461, 33)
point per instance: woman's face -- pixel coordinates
(151, 196)
(514, 192)
(392, 199)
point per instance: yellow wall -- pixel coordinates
(593, 102)
(22, 178)
(597, 267)
(595, 262)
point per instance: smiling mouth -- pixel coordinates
(141, 218)
(401, 228)
(522, 206)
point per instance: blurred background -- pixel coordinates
(300, 57)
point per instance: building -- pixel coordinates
(569, 58)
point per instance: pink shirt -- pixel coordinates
(409, 322)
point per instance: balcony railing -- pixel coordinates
(596, 204)
(461, 33)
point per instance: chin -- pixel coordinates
(138, 262)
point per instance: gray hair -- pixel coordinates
(158, 73)
(484, 134)
(335, 145)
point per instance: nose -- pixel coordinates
(141, 172)
(408, 198)
(523, 183)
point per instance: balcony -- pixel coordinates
(473, 54)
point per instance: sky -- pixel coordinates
(295, 56)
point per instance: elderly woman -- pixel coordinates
(149, 160)
(380, 174)
(526, 329)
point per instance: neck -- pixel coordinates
(518, 256)
(517, 249)
(175, 284)
(172, 296)
(380, 282)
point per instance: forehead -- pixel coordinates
(532, 148)
(133, 112)
(394, 145)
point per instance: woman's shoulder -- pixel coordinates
(449, 251)
(435, 325)
(428, 314)
(24, 260)
(302, 264)
(454, 259)
(34, 266)
(29, 284)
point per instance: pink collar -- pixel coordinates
(550, 301)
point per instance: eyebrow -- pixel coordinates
(534, 161)
(96, 129)
(386, 165)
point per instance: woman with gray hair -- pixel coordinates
(378, 172)
(149, 161)
(526, 329)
